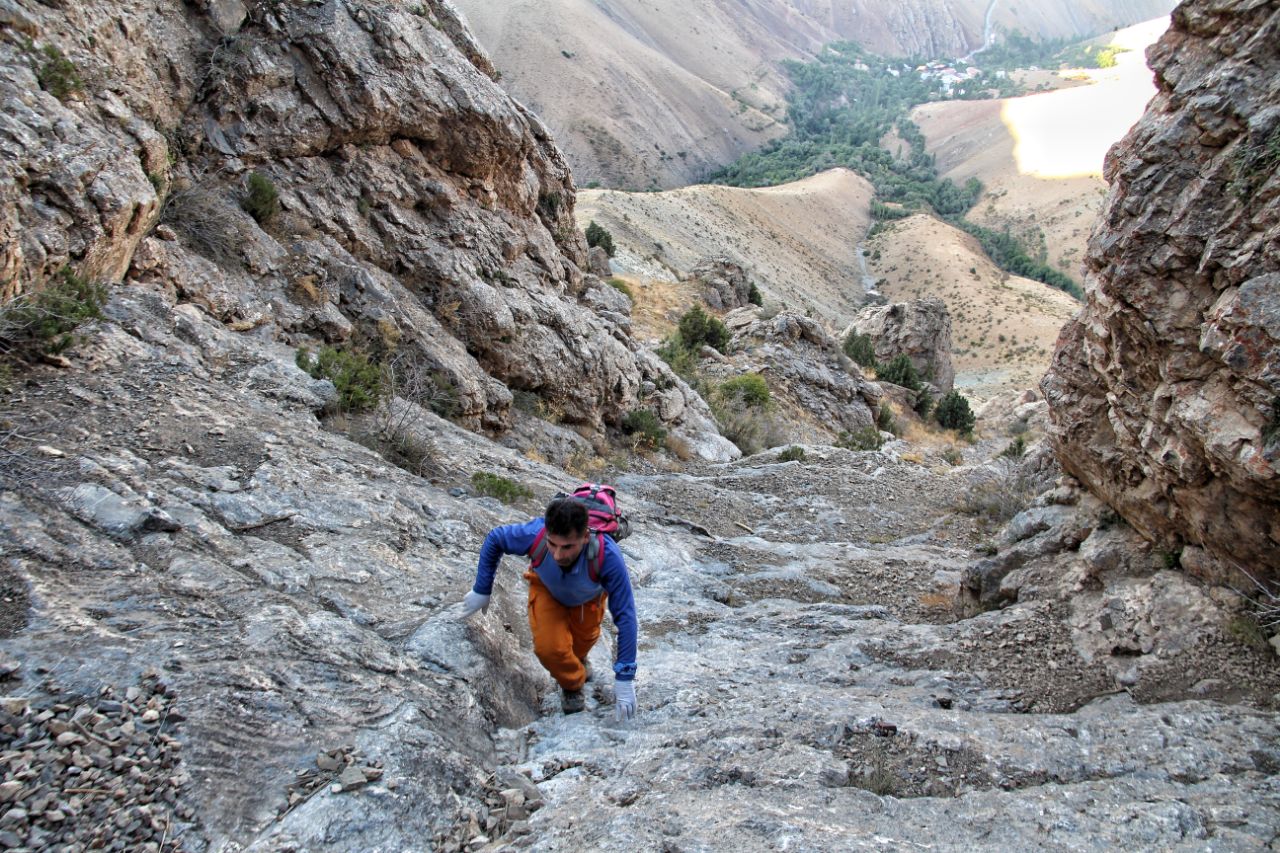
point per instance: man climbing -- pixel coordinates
(567, 596)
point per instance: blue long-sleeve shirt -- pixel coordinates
(571, 586)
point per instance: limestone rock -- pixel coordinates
(1163, 391)
(598, 262)
(722, 282)
(806, 370)
(920, 330)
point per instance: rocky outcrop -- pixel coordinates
(822, 391)
(722, 283)
(420, 207)
(1164, 391)
(920, 330)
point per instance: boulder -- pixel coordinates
(723, 283)
(920, 330)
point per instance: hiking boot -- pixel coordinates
(572, 701)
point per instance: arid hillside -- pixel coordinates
(1040, 156)
(798, 241)
(658, 94)
(1003, 326)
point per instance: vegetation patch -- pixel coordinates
(495, 486)
(263, 200)
(645, 427)
(866, 438)
(1271, 431)
(794, 453)
(622, 287)
(954, 413)
(861, 349)
(207, 224)
(598, 235)
(749, 389)
(697, 328)
(56, 73)
(45, 322)
(361, 384)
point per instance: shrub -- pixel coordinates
(682, 360)
(1016, 449)
(697, 327)
(361, 384)
(57, 74)
(866, 438)
(754, 297)
(206, 223)
(622, 287)
(597, 235)
(409, 376)
(953, 456)
(860, 349)
(645, 426)
(749, 388)
(793, 453)
(44, 322)
(263, 201)
(900, 371)
(494, 486)
(954, 413)
(924, 403)
(885, 421)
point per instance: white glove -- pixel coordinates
(624, 699)
(472, 602)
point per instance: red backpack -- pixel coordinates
(603, 519)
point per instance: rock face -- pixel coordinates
(822, 390)
(421, 209)
(1164, 391)
(920, 330)
(723, 283)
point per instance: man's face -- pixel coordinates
(565, 549)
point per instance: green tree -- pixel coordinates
(860, 349)
(953, 412)
(597, 235)
(900, 371)
(697, 327)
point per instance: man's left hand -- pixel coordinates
(624, 699)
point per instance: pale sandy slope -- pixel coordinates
(921, 256)
(798, 240)
(658, 93)
(1040, 157)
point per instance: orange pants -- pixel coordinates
(562, 635)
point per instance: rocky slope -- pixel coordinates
(658, 94)
(421, 209)
(227, 624)
(1164, 393)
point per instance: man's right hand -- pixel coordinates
(472, 602)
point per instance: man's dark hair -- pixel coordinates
(566, 517)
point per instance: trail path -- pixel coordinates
(802, 689)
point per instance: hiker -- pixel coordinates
(567, 595)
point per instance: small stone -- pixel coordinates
(150, 715)
(49, 451)
(326, 762)
(351, 779)
(55, 816)
(9, 790)
(9, 840)
(392, 784)
(69, 739)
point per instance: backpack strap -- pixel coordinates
(538, 550)
(595, 556)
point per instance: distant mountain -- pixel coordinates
(656, 94)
